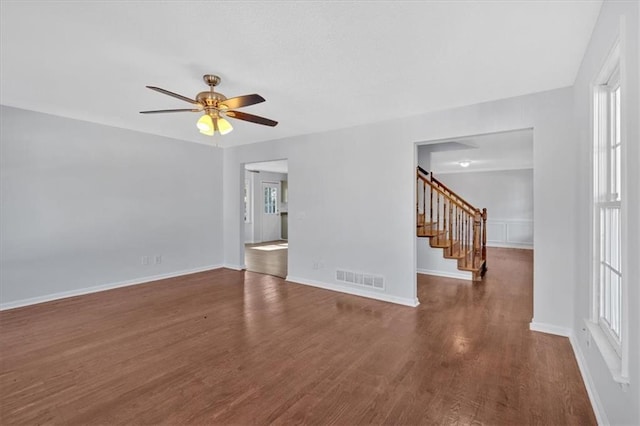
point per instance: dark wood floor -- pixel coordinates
(229, 347)
(270, 262)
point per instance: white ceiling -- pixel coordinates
(320, 65)
(495, 151)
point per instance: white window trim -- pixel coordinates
(618, 363)
(248, 184)
(611, 357)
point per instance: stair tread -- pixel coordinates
(445, 244)
(471, 268)
(456, 253)
(438, 239)
(427, 231)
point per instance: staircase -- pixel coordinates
(451, 224)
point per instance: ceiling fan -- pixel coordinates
(216, 107)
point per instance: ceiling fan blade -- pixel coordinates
(170, 110)
(242, 101)
(175, 95)
(252, 118)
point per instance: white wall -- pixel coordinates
(424, 157)
(336, 207)
(508, 197)
(353, 194)
(81, 203)
(614, 403)
(253, 230)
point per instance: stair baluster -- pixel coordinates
(455, 226)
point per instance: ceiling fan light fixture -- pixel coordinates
(205, 124)
(224, 126)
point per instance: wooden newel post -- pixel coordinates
(484, 234)
(477, 225)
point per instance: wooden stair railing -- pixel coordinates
(452, 224)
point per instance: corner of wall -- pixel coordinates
(592, 391)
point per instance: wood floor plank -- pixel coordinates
(233, 347)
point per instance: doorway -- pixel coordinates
(266, 201)
(492, 171)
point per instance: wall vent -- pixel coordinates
(360, 279)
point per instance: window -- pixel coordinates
(608, 323)
(607, 203)
(270, 199)
(247, 200)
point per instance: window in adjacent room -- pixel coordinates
(247, 200)
(270, 199)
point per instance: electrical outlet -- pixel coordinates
(158, 259)
(144, 260)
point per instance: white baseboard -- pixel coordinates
(550, 329)
(510, 245)
(596, 403)
(459, 275)
(234, 267)
(355, 291)
(103, 287)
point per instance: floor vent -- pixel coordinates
(361, 279)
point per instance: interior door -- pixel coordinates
(270, 211)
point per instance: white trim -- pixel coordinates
(103, 287)
(504, 229)
(608, 352)
(234, 267)
(484, 169)
(462, 275)
(355, 292)
(550, 329)
(596, 403)
(248, 206)
(510, 245)
(626, 123)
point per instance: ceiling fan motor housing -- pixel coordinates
(210, 99)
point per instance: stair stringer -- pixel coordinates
(430, 261)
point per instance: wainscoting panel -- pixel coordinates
(510, 233)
